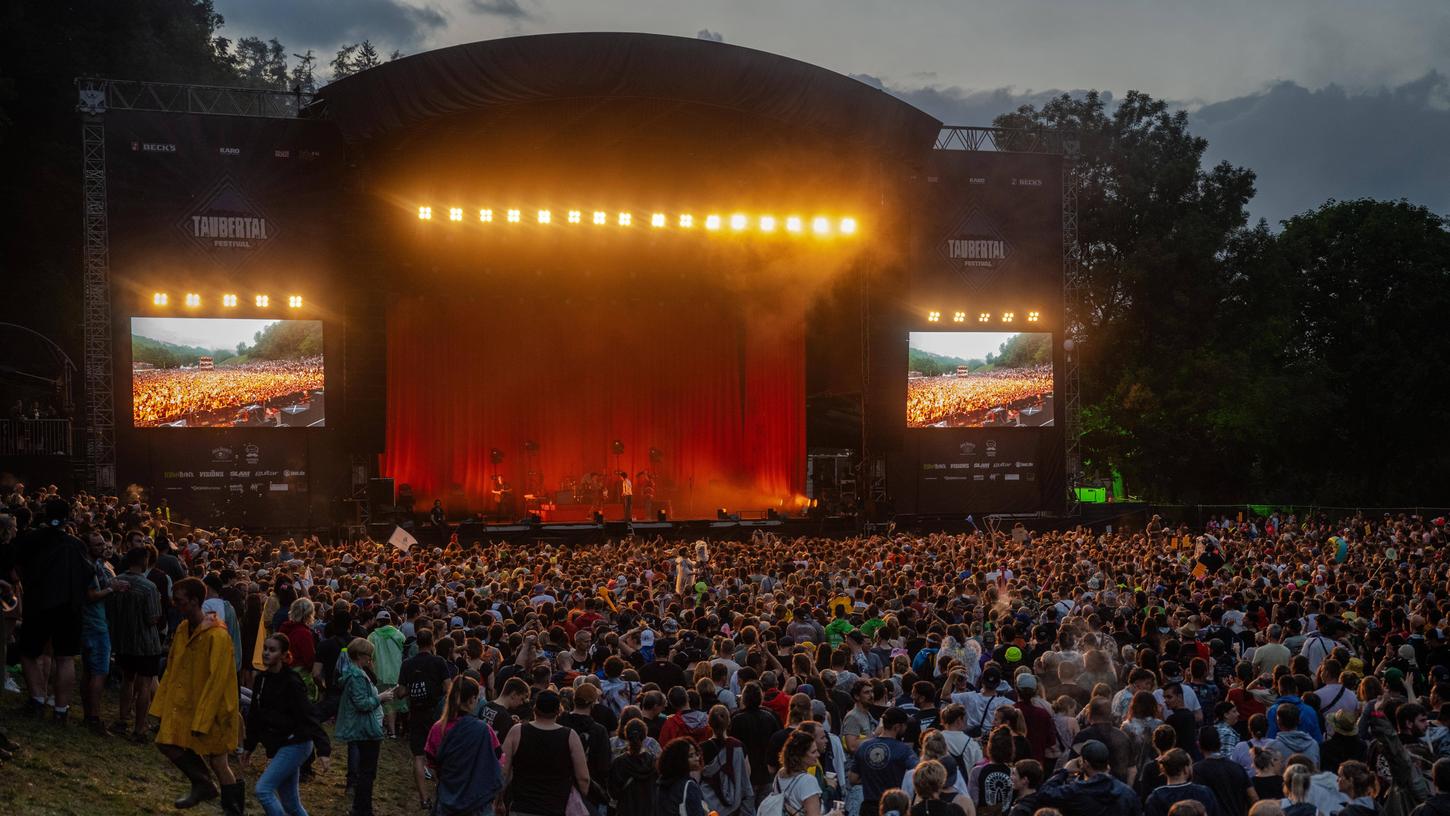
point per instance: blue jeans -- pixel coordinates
(277, 786)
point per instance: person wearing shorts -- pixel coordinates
(54, 572)
(135, 612)
(95, 631)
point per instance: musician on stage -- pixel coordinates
(647, 492)
(626, 494)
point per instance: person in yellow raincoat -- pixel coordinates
(197, 702)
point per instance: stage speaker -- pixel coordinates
(380, 495)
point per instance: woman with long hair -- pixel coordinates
(633, 774)
(934, 747)
(678, 788)
(1297, 780)
(619, 743)
(464, 750)
(795, 782)
(282, 721)
(725, 773)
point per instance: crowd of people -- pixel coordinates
(210, 396)
(968, 401)
(1279, 665)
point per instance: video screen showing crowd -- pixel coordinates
(979, 380)
(227, 373)
(1282, 664)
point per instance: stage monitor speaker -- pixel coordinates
(380, 494)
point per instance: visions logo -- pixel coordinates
(227, 225)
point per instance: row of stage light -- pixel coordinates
(229, 300)
(820, 225)
(937, 316)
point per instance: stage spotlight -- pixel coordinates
(793, 223)
(294, 301)
(821, 225)
(738, 221)
(425, 213)
(600, 217)
(485, 216)
(1007, 317)
(1032, 317)
(229, 301)
(625, 219)
(767, 223)
(159, 298)
(513, 216)
(848, 226)
(575, 216)
(933, 316)
(712, 222)
(455, 213)
(687, 221)
(193, 299)
(545, 216)
(984, 317)
(262, 300)
(657, 220)
(959, 317)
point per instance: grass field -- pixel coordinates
(67, 770)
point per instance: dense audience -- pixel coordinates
(969, 401)
(1279, 665)
(163, 395)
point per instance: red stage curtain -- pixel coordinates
(723, 401)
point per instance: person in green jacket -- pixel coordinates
(388, 643)
(360, 721)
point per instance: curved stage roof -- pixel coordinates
(391, 99)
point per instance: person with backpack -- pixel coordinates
(595, 739)
(678, 791)
(464, 751)
(633, 774)
(795, 791)
(1359, 783)
(725, 775)
(931, 794)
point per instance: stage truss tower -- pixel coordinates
(1068, 146)
(97, 468)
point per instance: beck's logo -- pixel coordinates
(226, 225)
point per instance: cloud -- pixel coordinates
(324, 24)
(707, 34)
(510, 9)
(964, 106)
(1311, 145)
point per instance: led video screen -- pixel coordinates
(226, 373)
(979, 380)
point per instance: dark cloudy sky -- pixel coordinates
(1322, 98)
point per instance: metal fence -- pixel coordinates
(35, 437)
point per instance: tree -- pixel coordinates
(261, 64)
(303, 78)
(342, 62)
(1153, 226)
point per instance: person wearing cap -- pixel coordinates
(1041, 728)
(1083, 787)
(882, 760)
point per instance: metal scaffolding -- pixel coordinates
(97, 96)
(1067, 145)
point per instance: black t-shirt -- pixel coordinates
(1229, 783)
(424, 675)
(54, 568)
(754, 728)
(665, 673)
(500, 719)
(327, 653)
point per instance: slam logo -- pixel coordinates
(226, 225)
(976, 244)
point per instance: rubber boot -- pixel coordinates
(194, 767)
(234, 798)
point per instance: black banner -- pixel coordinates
(992, 229)
(975, 470)
(213, 205)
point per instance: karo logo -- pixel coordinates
(227, 225)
